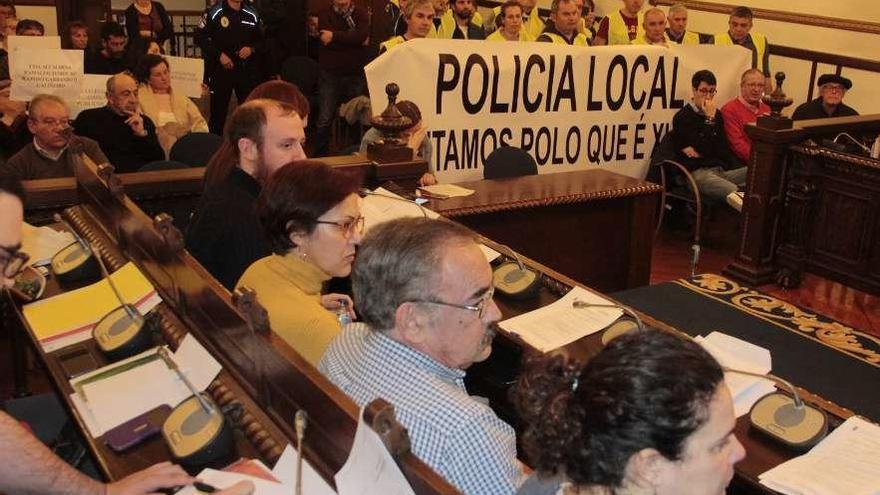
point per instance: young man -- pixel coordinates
(510, 24)
(110, 59)
(832, 89)
(461, 22)
(740, 33)
(532, 23)
(701, 145)
(622, 26)
(419, 15)
(654, 29)
(565, 16)
(742, 110)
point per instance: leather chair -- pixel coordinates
(508, 161)
(195, 149)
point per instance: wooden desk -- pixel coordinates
(593, 225)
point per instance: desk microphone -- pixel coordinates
(855, 141)
(619, 327)
(76, 261)
(513, 279)
(786, 418)
(123, 332)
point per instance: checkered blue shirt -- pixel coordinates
(457, 435)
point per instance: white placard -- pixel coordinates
(187, 75)
(92, 94)
(43, 70)
(30, 42)
(570, 107)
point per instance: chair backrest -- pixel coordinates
(162, 165)
(508, 161)
(195, 149)
(302, 71)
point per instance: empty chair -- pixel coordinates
(508, 161)
(195, 149)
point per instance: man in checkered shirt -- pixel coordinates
(424, 290)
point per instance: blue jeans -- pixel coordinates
(715, 183)
(332, 90)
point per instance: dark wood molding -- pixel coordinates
(36, 3)
(780, 16)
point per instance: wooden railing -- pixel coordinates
(185, 23)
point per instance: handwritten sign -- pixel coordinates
(28, 43)
(50, 71)
(93, 94)
(187, 75)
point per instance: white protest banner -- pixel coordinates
(14, 42)
(92, 94)
(570, 107)
(186, 75)
(41, 70)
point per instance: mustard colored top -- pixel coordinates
(289, 287)
(497, 36)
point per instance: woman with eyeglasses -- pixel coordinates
(311, 219)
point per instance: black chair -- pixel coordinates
(195, 149)
(162, 165)
(302, 71)
(508, 161)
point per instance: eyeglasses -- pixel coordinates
(834, 87)
(707, 91)
(52, 123)
(479, 307)
(348, 227)
(14, 261)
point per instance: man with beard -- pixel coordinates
(224, 233)
(461, 22)
(110, 59)
(126, 136)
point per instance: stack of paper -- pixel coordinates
(737, 354)
(846, 462)
(116, 393)
(42, 243)
(370, 469)
(443, 191)
(68, 318)
(560, 323)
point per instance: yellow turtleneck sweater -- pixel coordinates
(289, 287)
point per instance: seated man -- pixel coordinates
(110, 59)
(701, 145)
(622, 26)
(126, 135)
(562, 26)
(742, 110)
(424, 291)
(419, 15)
(461, 22)
(740, 33)
(654, 26)
(832, 89)
(224, 233)
(48, 156)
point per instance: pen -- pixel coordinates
(204, 487)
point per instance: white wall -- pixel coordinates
(865, 95)
(45, 15)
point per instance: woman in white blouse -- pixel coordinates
(174, 114)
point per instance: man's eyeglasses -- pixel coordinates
(479, 307)
(14, 261)
(707, 91)
(834, 87)
(52, 123)
(348, 227)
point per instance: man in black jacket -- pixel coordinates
(701, 145)
(126, 136)
(832, 89)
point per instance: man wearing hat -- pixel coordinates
(829, 104)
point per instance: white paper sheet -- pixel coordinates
(447, 190)
(285, 471)
(738, 354)
(847, 462)
(41, 243)
(558, 324)
(370, 469)
(223, 479)
(383, 205)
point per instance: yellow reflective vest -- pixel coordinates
(534, 26)
(448, 26)
(579, 39)
(759, 40)
(689, 38)
(618, 34)
(496, 36)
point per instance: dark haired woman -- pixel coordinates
(649, 414)
(311, 217)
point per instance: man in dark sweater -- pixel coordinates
(701, 145)
(343, 30)
(110, 58)
(126, 136)
(49, 154)
(832, 89)
(224, 233)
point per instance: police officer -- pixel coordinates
(230, 35)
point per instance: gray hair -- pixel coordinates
(41, 100)
(397, 262)
(679, 7)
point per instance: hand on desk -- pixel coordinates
(149, 480)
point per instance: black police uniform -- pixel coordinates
(226, 30)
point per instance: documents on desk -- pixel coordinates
(370, 469)
(41, 243)
(846, 462)
(558, 324)
(444, 191)
(738, 354)
(118, 392)
(68, 318)
(383, 205)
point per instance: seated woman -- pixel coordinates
(174, 114)
(416, 137)
(312, 220)
(648, 414)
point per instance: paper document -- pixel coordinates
(224, 479)
(846, 462)
(285, 470)
(42, 243)
(68, 318)
(370, 469)
(118, 392)
(383, 205)
(442, 191)
(558, 324)
(738, 354)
